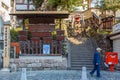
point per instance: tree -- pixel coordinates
(68, 5)
(113, 5)
(37, 3)
(14, 35)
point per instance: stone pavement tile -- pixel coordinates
(59, 75)
(106, 75)
(56, 75)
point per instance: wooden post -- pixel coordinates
(60, 48)
(24, 49)
(40, 46)
(23, 23)
(36, 47)
(52, 48)
(89, 4)
(32, 47)
(60, 24)
(28, 47)
(56, 49)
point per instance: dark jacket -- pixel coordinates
(96, 58)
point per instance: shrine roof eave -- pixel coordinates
(41, 14)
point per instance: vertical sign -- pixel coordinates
(6, 46)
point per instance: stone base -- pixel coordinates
(5, 69)
(40, 63)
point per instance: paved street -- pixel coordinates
(59, 75)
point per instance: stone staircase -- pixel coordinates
(82, 54)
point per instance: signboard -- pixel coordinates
(46, 48)
(116, 28)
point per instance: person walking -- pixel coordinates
(96, 62)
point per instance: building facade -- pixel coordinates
(4, 22)
(115, 37)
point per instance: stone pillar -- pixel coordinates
(6, 54)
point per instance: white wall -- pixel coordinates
(3, 12)
(116, 46)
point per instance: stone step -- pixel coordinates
(81, 60)
(91, 65)
(82, 56)
(80, 68)
(80, 51)
(82, 63)
(77, 66)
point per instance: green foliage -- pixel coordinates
(64, 4)
(54, 35)
(26, 21)
(64, 49)
(18, 28)
(68, 5)
(107, 5)
(37, 3)
(14, 35)
(29, 35)
(104, 32)
(113, 5)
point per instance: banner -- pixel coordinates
(46, 48)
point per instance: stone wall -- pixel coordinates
(36, 63)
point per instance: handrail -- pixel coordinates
(95, 15)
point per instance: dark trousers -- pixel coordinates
(96, 68)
